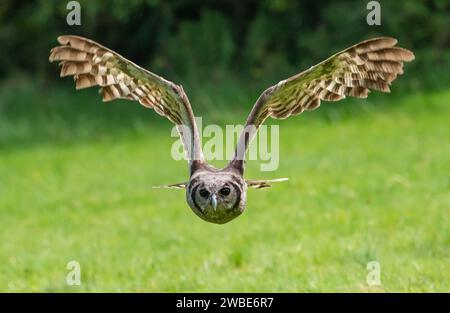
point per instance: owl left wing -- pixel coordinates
(92, 64)
(371, 64)
(263, 183)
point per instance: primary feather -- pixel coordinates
(371, 64)
(92, 64)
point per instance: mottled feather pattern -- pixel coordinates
(263, 183)
(371, 64)
(219, 195)
(92, 64)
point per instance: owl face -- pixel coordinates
(216, 197)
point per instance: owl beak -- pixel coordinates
(214, 201)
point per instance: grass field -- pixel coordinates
(369, 180)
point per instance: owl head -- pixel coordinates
(216, 197)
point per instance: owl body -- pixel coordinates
(216, 195)
(220, 195)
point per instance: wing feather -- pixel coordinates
(371, 64)
(92, 64)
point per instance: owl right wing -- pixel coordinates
(92, 64)
(371, 64)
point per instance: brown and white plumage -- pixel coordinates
(219, 195)
(92, 64)
(371, 64)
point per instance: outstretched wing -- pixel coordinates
(263, 183)
(92, 64)
(371, 64)
(172, 186)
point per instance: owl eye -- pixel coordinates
(204, 193)
(225, 191)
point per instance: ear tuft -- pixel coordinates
(237, 165)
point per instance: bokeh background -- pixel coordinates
(369, 179)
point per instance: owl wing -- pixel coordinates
(263, 183)
(371, 64)
(92, 64)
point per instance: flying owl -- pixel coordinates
(219, 195)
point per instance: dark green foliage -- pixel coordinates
(190, 41)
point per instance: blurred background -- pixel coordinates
(368, 179)
(195, 41)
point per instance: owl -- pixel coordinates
(219, 195)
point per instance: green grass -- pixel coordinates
(369, 180)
